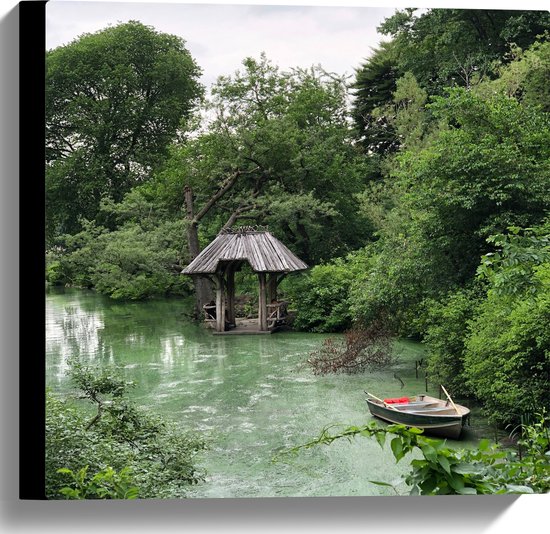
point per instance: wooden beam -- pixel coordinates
(262, 304)
(231, 293)
(220, 303)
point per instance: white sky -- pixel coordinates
(219, 36)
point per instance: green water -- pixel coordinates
(250, 396)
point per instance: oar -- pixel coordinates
(383, 402)
(449, 397)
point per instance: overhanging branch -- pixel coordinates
(226, 186)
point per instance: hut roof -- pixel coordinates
(261, 249)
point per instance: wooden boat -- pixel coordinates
(442, 418)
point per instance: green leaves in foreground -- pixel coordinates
(118, 447)
(105, 484)
(445, 471)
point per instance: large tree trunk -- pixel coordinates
(203, 287)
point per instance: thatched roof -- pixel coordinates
(261, 249)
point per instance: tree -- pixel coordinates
(526, 77)
(507, 352)
(375, 82)
(484, 170)
(445, 47)
(115, 100)
(275, 151)
(440, 48)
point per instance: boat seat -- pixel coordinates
(408, 407)
(424, 403)
(437, 409)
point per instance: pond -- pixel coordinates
(250, 396)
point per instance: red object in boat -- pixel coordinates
(399, 400)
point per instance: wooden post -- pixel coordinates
(231, 294)
(262, 304)
(272, 284)
(220, 303)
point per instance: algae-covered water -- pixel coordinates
(251, 396)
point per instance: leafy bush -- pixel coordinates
(401, 272)
(106, 484)
(159, 455)
(445, 335)
(507, 360)
(513, 268)
(54, 272)
(134, 262)
(321, 297)
(507, 357)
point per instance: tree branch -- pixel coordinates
(226, 186)
(243, 208)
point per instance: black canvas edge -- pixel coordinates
(32, 341)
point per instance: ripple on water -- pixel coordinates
(203, 380)
(299, 379)
(204, 409)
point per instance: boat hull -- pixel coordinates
(446, 426)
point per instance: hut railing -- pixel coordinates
(276, 313)
(209, 313)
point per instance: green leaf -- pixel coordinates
(484, 444)
(132, 493)
(381, 438)
(465, 469)
(513, 488)
(65, 471)
(444, 462)
(429, 452)
(456, 482)
(397, 448)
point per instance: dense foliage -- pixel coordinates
(118, 450)
(142, 257)
(507, 352)
(441, 48)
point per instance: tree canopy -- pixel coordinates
(441, 48)
(277, 150)
(115, 100)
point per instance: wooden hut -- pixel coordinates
(267, 257)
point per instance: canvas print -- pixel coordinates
(296, 251)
